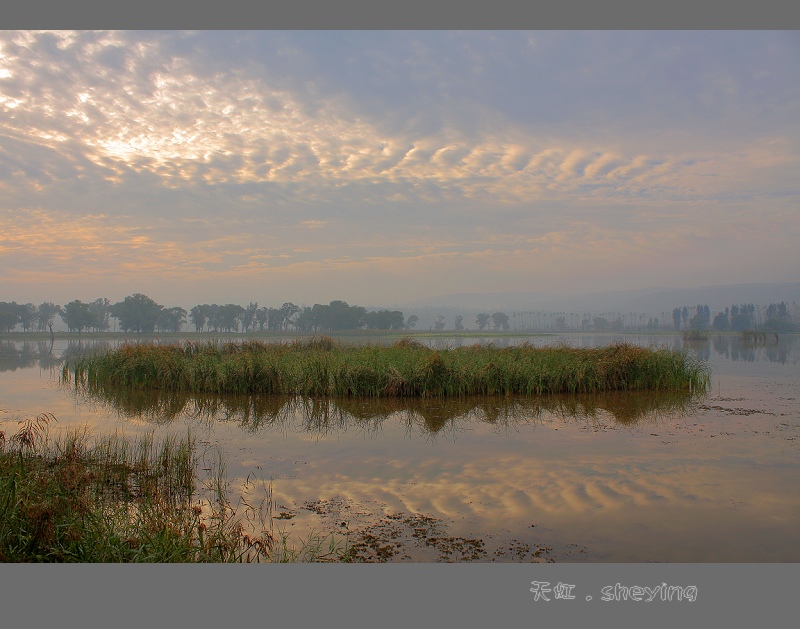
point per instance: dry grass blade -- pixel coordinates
(116, 499)
(33, 430)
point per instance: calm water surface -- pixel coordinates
(618, 478)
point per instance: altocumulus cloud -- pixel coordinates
(235, 154)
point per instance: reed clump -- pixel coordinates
(74, 498)
(323, 367)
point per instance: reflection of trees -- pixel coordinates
(700, 346)
(78, 347)
(321, 416)
(722, 345)
(785, 350)
(15, 355)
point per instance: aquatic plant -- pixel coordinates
(75, 498)
(322, 367)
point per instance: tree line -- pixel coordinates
(780, 317)
(141, 314)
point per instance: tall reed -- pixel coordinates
(322, 367)
(74, 498)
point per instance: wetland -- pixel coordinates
(593, 476)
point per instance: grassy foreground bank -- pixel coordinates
(323, 367)
(74, 498)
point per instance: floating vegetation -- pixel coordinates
(322, 367)
(382, 536)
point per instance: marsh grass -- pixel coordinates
(323, 367)
(75, 498)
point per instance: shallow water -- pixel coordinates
(618, 478)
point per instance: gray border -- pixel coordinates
(732, 595)
(395, 595)
(409, 14)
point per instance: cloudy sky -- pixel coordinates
(384, 167)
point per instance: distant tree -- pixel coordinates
(702, 318)
(721, 322)
(171, 319)
(137, 313)
(339, 315)
(288, 312)
(9, 316)
(779, 318)
(411, 322)
(101, 309)
(77, 316)
(274, 320)
(778, 312)
(500, 321)
(27, 316)
(305, 320)
(600, 324)
(229, 317)
(676, 318)
(45, 313)
(261, 317)
(482, 320)
(742, 317)
(249, 316)
(214, 321)
(199, 316)
(384, 320)
(459, 324)
(214, 318)
(438, 324)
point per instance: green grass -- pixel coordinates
(323, 367)
(75, 498)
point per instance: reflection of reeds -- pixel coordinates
(322, 367)
(320, 416)
(626, 408)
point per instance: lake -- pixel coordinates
(625, 477)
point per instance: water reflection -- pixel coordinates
(79, 347)
(781, 350)
(28, 354)
(323, 416)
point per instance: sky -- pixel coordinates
(384, 167)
